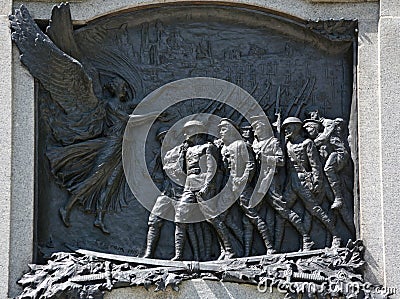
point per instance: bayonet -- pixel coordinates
(306, 98)
(278, 109)
(297, 98)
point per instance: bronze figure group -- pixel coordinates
(246, 162)
(267, 183)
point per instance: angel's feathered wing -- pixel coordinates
(85, 158)
(63, 77)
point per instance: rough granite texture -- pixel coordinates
(389, 8)
(389, 28)
(5, 7)
(378, 106)
(369, 147)
(22, 200)
(5, 150)
(300, 8)
(198, 289)
(341, 1)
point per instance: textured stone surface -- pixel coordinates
(22, 199)
(389, 29)
(390, 8)
(369, 147)
(5, 151)
(342, 1)
(299, 8)
(5, 7)
(198, 289)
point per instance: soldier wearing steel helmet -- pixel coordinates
(270, 158)
(305, 172)
(199, 163)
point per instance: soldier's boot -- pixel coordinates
(297, 223)
(200, 240)
(223, 234)
(263, 229)
(307, 243)
(279, 232)
(194, 242)
(152, 237)
(236, 230)
(222, 250)
(248, 238)
(207, 236)
(318, 212)
(180, 234)
(336, 187)
(229, 252)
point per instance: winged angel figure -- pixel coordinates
(85, 150)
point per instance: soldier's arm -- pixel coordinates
(279, 156)
(329, 127)
(182, 157)
(246, 151)
(211, 153)
(273, 155)
(315, 163)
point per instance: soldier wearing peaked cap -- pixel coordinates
(332, 150)
(194, 124)
(163, 206)
(241, 163)
(314, 123)
(246, 130)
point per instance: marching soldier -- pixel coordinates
(247, 133)
(305, 174)
(198, 160)
(270, 156)
(163, 205)
(333, 152)
(242, 169)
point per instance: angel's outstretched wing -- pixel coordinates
(61, 31)
(63, 77)
(85, 155)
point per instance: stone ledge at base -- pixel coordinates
(197, 289)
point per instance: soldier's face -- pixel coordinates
(258, 129)
(312, 131)
(190, 132)
(292, 130)
(246, 132)
(225, 132)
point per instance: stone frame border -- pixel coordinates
(376, 113)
